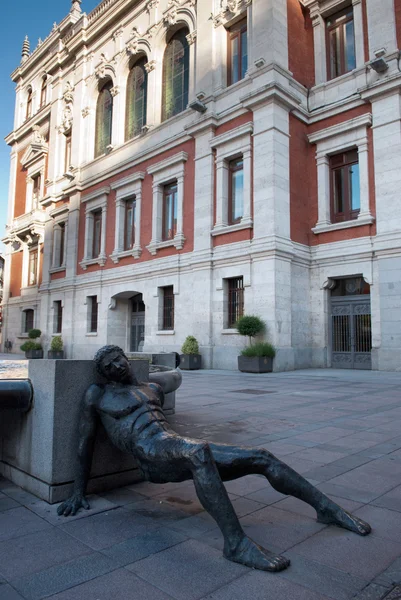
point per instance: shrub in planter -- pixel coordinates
(257, 358)
(33, 349)
(190, 357)
(250, 326)
(56, 348)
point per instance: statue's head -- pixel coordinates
(112, 363)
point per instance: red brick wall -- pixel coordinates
(301, 55)
(16, 274)
(303, 183)
(20, 188)
(146, 216)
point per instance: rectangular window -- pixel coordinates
(235, 300)
(92, 314)
(58, 317)
(237, 52)
(340, 43)
(28, 321)
(67, 155)
(33, 267)
(169, 212)
(345, 187)
(168, 308)
(236, 191)
(97, 233)
(36, 191)
(62, 244)
(129, 224)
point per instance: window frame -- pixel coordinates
(36, 189)
(97, 240)
(329, 29)
(43, 92)
(165, 114)
(239, 290)
(29, 104)
(231, 171)
(33, 258)
(129, 202)
(233, 32)
(347, 161)
(101, 149)
(170, 189)
(25, 328)
(67, 151)
(58, 316)
(168, 309)
(140, 63)
(93, 315)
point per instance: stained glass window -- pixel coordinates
(175, 75)
(104, 119)
(136, 99)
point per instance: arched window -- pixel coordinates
(104, 119)
(137, 92)
(43, 92)
(29, 104)
(175, 75)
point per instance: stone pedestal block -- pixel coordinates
(38, 449)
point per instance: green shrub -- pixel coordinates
(30, 345)
(263, 349)
(250, 326)
(190, 346)
(56, 344)
(33, 334)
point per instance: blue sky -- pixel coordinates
(35, 19)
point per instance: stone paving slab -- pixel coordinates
(341, 429)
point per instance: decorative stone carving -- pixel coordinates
(115, 90)
(150, 66)
(191, 38)
(85, 111)
(68, 95)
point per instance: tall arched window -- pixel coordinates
(104, 119)
(43, 92)
(175, 75)
(137, 92)
(29, 104)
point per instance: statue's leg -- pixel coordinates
(235, 461)
(214, 498)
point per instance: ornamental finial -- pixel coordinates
(25, 49)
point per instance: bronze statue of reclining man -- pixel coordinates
(133, 417)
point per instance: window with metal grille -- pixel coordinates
(235, 300)
(169, 211)
(104, 119)
(237, 52)
(97, 233)
(137, 91)
(168, 308)
(58, 317)
(345, 187)
(93, 314)
(28, 320)
(341, 56)
(129, 224)
(33, 267)
(175, 75)
(236, 191)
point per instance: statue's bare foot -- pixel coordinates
(335, 515)
(252, 555)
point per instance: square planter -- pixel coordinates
(255, 364)
(190, 362)
(34, 354)
(53, 354)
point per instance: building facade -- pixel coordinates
(175, 164)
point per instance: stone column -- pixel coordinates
(319, 43)
(270, 31)
(71, 236)
(323, 194)
(382, 26)
(117, 134)
(179, 236)
(363, 156)
(47, 250)
(359, 33)
(137, 224)
(191, 39)
(247, 158)
(204, 189)
(221, 193)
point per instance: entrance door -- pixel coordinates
(137, 324)
(351, 332)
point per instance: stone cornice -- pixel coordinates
(340, 128)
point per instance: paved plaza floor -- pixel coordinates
(340, 429)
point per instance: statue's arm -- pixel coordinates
(87, 435)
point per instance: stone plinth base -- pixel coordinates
(38, 449)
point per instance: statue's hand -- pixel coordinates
(73, 504)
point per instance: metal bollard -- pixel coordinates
(16, 394)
